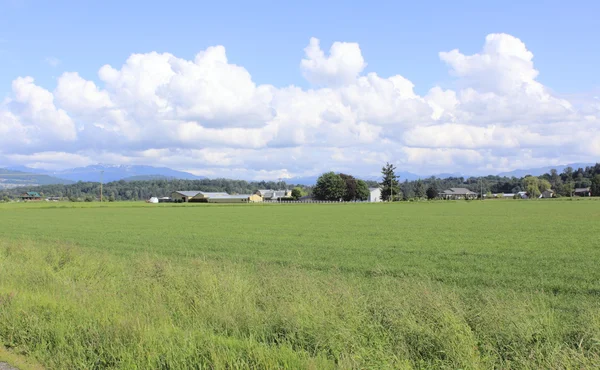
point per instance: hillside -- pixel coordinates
(12, 179)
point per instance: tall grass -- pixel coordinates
(70, 303)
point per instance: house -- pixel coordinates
(583, 192)
(31, 195)
(547, 194)
(522, 195)
(374, 194)
(458, 193)
(267, 194)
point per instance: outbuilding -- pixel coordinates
(374, 194)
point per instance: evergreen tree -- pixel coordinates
(389, 183)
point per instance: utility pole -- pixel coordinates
(101, 176)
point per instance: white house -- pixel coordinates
(374, 195)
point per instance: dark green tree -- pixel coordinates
(297, 193)
(389, 184)
(420, 189)
(431, 192)
(351, 186)
(362, 190)
(330, 186)
(596, 186)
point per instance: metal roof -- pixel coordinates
(458, 191)
(240, 196)
(581, 190)
(188, 193)
(213, 194)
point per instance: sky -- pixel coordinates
(271, 89)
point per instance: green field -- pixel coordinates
(472, 285)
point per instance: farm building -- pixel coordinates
(31, 195)
(458, 193)
(583, 192)
(213, 197)
(193, 196)
(374, 194)
(547, 194)
(242, 198)
(273, 194)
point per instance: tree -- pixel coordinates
(351, 185)
(419, 189)
(330, 186)
(5, 199)
(531, 184)
(389, 183)
(544, 185)
(431, 192)
(596, 186)
(362, 190)
(297, 193)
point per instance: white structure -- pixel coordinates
(153, 200)
(374, 195)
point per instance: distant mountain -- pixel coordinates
(542, 170)
(119, 172)
(10, 179)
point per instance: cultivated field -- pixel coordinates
(472, 285)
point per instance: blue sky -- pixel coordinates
(267, 37)
(44, 39)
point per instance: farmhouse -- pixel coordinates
(31, 195)
(583, 192)
(374, 194)
(273, 194)
(458, 193)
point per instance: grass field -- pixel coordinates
(472, 285)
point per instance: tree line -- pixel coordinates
(141, 190)
(331, 186)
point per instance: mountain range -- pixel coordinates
(12, 178)
(26, 176)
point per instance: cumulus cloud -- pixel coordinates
(343, 65)
(208, 116)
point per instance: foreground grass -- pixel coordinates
(455, 285)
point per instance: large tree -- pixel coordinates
(330, 186)
(596, 186)
(389, 183)
(362, 190)
(532, 186)
(351, 187)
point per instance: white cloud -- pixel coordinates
(342, 66)
(207, 115)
